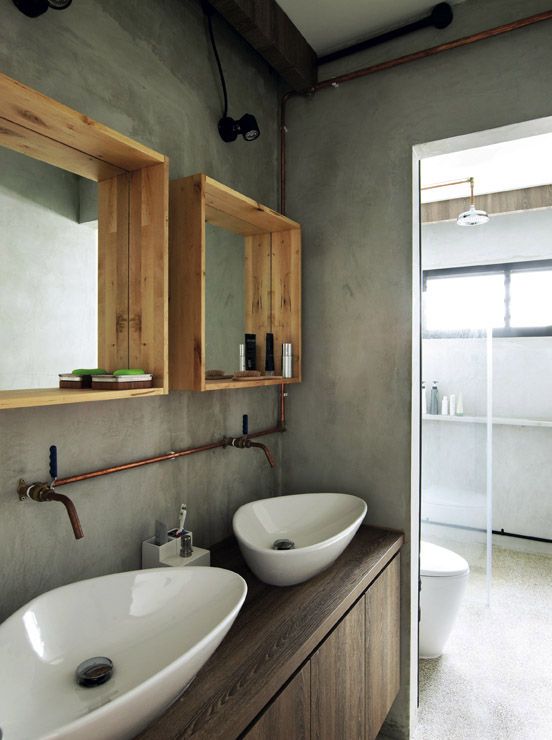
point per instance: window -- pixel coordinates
(514, 299)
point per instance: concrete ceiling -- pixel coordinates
(511, 165)
(329, 25)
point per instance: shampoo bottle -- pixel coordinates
(434, 400)
(460, 405)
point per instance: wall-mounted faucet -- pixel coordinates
(45, 492)
(244, 442)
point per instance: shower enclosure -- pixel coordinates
(485, 462)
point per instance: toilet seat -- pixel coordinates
(436, 561)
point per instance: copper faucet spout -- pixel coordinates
(265, 449)
(71, 511)
(45, 492)
(244, 442)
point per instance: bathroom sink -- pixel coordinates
(157, 626)
(316, 526)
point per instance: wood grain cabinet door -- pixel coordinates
(382, 646)
(338, 684)
(288, 717)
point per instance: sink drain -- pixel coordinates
(94, 671)
(283, 545)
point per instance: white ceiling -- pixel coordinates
(510, 165)
(335, 24)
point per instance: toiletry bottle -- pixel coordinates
(269, 354)
(444, 406)
(424, 398)
(460, 405)
(434, 400)
(452, 405)
(242, 358)
(287, 368)
(250, 351)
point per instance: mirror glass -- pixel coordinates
(224, 298)
(49, 276)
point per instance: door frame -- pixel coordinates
(474, 140)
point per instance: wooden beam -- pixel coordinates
(509, 201)
(270, 32)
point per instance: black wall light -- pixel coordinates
(228, 127)
(34, 8)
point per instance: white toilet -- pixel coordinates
(444, 577)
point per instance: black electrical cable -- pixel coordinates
(209, 14)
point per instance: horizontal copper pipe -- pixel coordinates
(390, 64)
(279, 427)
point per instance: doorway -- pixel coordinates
(482, 432)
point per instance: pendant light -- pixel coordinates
(473, 216)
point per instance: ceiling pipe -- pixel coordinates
(440, 17)
(334, 82)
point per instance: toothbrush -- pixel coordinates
(182, 519)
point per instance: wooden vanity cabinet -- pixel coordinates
(289, 715)
(350, 682)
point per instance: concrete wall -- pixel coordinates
(146, 69)
(49, 275)
(350, 185)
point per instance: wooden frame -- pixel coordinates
(132, 234)
(272, 278)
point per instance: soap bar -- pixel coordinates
(129, 371)
(89, 371)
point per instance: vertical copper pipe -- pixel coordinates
(390, 64)
(282, 414)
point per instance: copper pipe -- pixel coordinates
(390, 64)
(137, 464)
(174, 455)
(447, 184)
(282, 414)
(71, 511)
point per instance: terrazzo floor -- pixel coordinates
(494, 681)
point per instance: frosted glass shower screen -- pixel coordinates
(457, 448)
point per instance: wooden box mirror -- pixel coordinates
(84, 238)
(235, 267)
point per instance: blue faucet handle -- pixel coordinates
(53, 462)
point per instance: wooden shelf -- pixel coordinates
(219, 385)
(498, 420)
(45, 129)
(132, 233)
(272, 278)
(25, 398)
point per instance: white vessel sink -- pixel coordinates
(320, 525)
(157, 626)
